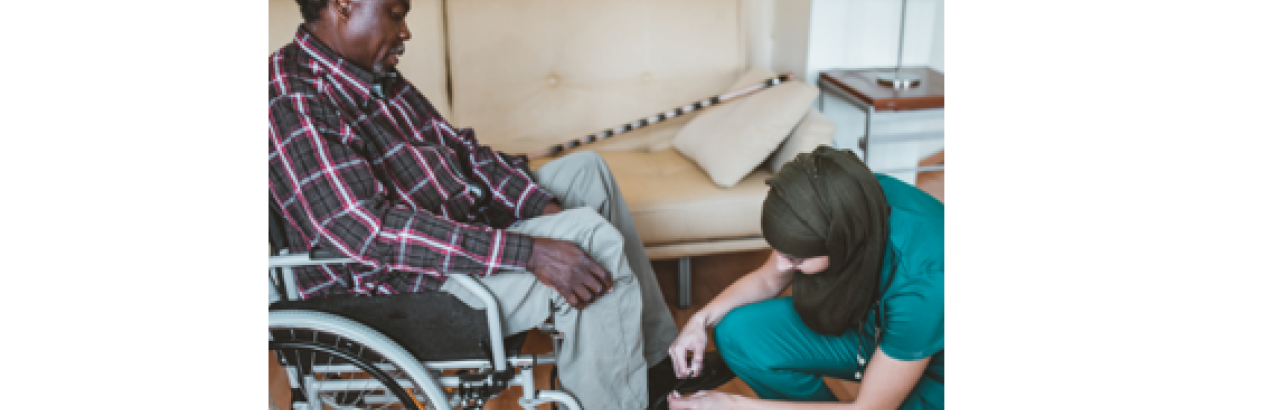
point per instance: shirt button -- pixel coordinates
(552, 80)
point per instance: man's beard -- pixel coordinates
(381, 68)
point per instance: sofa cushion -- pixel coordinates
(814, 130)
(651, 138)
(733, 139)
(533, 73)
(423, 60)
(672, 200)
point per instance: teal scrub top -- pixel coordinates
(913, 303)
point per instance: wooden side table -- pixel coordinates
(859, 88)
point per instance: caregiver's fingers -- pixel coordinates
(675, 402)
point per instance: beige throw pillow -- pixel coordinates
(731, 140)
(814, 130)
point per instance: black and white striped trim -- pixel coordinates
(660, 117)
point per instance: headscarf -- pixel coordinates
(828, 203)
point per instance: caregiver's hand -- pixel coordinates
(693, 339)
(705, 400)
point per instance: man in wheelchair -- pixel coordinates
(362, 166)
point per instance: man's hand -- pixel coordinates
(552, 209)
(563, 266)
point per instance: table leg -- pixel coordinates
(686, 282)
(866, 136)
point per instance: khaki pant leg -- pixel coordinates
(602, 360)
(582, 179)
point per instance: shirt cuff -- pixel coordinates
(536, 204)
(520, 247)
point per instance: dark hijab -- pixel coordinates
(828, 203)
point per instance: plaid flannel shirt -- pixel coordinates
(367, 168)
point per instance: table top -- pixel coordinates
(861, 84)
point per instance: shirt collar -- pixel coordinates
(356, 79)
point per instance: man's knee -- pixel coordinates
(600, 239)
(578, 179)
(590, 165)
(586, 159)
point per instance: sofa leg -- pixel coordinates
(686, 282)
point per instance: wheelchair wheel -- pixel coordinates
(344, 365)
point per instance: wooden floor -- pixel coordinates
(712, 274)
(932, 181)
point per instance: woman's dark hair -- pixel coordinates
(312, 9)
(828, 203)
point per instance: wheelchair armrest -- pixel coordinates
(302, 259)
(494, 315)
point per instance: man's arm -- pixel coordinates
(315, 166)
(317, 170)
(507, 177)
(552, 209)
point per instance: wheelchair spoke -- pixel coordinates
(369, 384)
(337, 375)
(387, 389)
(343, 370)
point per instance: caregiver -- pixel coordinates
(867, 303)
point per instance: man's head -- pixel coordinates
(369, 33)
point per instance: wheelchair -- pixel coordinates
(412, 351)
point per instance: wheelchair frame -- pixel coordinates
(426, 376)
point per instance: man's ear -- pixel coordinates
(342, 8)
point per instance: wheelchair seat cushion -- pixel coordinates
(433, 326)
